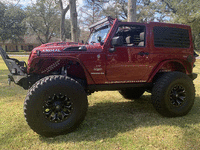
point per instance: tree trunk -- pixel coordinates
(132, 10)
(62, 26)
(73, 17)
(62, 21)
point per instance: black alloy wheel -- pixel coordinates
(57, 108)
(178, 96)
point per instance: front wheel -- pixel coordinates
(173, 94)
(55, 105)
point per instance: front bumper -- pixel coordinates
(17, 69)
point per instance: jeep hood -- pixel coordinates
(64, 47)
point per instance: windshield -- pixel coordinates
(101, 32)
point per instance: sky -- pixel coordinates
(22, 2)
(29, 2)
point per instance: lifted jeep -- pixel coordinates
(126, 56)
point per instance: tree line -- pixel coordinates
(46, 18)
(42, 19)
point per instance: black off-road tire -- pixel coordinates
(173, 94)
(55, 105)
(132, 93)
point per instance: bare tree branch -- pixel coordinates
(170, 6)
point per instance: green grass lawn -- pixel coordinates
(112, 122)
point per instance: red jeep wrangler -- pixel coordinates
(126, 56)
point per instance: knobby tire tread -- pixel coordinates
(36, 88)
(158, 93)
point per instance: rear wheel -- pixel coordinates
(132, 93)
(55, 105)
(173, 94)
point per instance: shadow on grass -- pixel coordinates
(107, 120)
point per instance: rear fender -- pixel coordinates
(169, 66)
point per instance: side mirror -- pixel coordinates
(117, 41)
